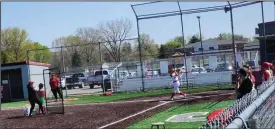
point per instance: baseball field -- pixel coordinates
(122, 110)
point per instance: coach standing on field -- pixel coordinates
(54, 83)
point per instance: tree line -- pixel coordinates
(109, 39)
(14, 46)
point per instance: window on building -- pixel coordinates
(211, 48)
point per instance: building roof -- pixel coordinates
(270, 22)
(267, 36)
(25, 63)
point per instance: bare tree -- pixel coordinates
(114, 33)
(149, 49)
(89, 38)
(69, 47)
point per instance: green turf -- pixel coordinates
(162, 116)
(118, 96)
(13, 104)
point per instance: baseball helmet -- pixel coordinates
(265, 65)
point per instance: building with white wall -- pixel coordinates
(217, 51)
(15, 77)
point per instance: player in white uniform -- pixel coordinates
(176, 85)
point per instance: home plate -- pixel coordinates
(188, 117)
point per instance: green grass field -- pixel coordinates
(161, 117)
(118, 96)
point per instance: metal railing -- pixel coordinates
(265, 114)
(236, 111)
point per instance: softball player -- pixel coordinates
(176, 85)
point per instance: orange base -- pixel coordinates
(107, 93)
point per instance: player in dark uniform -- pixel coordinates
(245, 85)
(33, 98)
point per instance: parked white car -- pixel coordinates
(63, 81)
(124, 74)
(198, 70)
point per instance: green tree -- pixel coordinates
(194, 39)
(149, 49)
(228, 36)
(179, 39)
(39, 53)
(254, 40)
(76, 60)
(14, 46)
(169, 47)
(70, 46)
(162, 52)
(126, 50)
(12, 41)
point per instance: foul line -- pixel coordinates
(132, 115)
(156, 107)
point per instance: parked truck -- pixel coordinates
(97, 78)
(76, 80)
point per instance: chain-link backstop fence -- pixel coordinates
(90, 67)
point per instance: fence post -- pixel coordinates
(182, 34)
(139, 46)
(28, 61)
(100, 58)
(63, 70)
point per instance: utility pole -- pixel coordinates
(201, 43)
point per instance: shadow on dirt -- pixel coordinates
(17, 117)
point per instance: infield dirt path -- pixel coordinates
(110, 115)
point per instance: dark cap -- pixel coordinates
(244, 71)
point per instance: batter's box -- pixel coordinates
(188, 117)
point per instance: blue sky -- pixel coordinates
(46, 21)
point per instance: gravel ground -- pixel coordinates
(97, 115)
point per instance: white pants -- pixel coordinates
(176, 86)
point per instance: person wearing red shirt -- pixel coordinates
(266, 71)
(54, 83)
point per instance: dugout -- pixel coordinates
(267, 42)
(15, 77)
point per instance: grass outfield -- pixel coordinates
(161, 117)
(118, 96)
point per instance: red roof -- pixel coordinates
(270, 22)
(26, 63)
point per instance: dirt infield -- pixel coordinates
(118, 114)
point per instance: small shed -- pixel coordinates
(15, 77)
